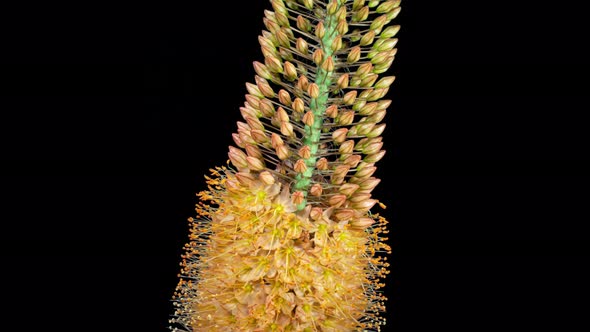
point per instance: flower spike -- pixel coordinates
(286, 237)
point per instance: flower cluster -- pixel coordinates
(258, 264)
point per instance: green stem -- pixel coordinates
(318, 107)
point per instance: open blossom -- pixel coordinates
(286, 238)
(259, 264)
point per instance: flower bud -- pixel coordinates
(305, 152)
(322, 164)
(393, 14)
(368, 109)
(318, 56)
(297, 197)
(362, 223)
(367, 38)
(332, 7)
(254, 151)
(276, 140)
(300, 166)
(303, 24)
(365, 172)
(348, 189)
(369, 184)
(269, 52)
(377, 94)
(284, 97)
(364, 69)
(385, 44)
(359, 197)
(387, 6)
(283, 37)
(237, 157)
(232, 186)
(364, 128)
(354, 55)
(265, 42)
(341, 171)
(337, 200)
(238, 140)
(350, 97)
(266, 177)
(274, 64)
(383, 104)
(373, 148)
(352, 160)
(255, 164)
(328, 64)
(377, 130)
(378, 116)
(342, 27)
(360, 103)
(313, 90)
(361, 14)
(287, 129)
(341, 13)
(247, 112)
(316, 213)
(262, 70)
(378, 23)
(282, 151)
(253, 101)
(339, 135)
(320, 30)
(253, 90)
(357, 4)
(279, 6)
(246, 179)
(264, 87)
(343, 214)
(290, 72)
(302, 46)
(332, 111)
(369, 80)
(337, 43)
(282, 115)
(346, 118)
(298, 105)
(343, 80)
(390, 31)
(346, 147)
(308, 118)
(270, 24)
(302, 83)
(254, 123)
(373, 158)
(315, 190)
(380, 57)
(365, 205)
(266, 107)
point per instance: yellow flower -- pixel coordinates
(271, 268)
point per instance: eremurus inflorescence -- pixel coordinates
(285, 239)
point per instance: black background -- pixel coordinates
(111, 113)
